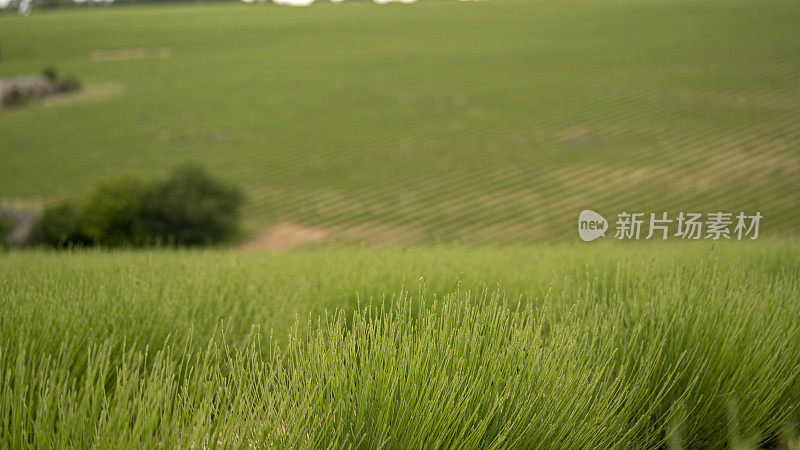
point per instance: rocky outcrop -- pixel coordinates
(22, 222)
(14, 91)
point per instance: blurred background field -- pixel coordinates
(484, 122)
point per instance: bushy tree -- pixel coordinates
(5, 228)
(59, 226)
(191, 208)
(188, 208)
(112, 216)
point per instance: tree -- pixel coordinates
(191, 208)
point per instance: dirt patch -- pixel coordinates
(284, 236)
(127, 54)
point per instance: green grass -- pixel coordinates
(567, 346)
(450, 121)
(491, 122)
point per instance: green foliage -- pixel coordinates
(597, 346)
(112, 216)
(61, 84)
(188, 208)
(60, 226)
(51, 73)
(5, 227)
(191, 208)
(67, 84)
(14, 97)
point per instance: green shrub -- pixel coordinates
(51, 73)
(14, 97)
(5, 227)
(191, 208)
(67, 84)
(61, 84)
(59, 226)
(188, 208)
(111, 217)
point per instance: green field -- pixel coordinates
(694, 346)
(450, 121)
(438, 155)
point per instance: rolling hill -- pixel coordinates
(439, 121)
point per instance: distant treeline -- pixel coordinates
(27, 5)
(15, 4)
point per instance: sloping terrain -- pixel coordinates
(451, 121)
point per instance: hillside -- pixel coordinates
(452, 121)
